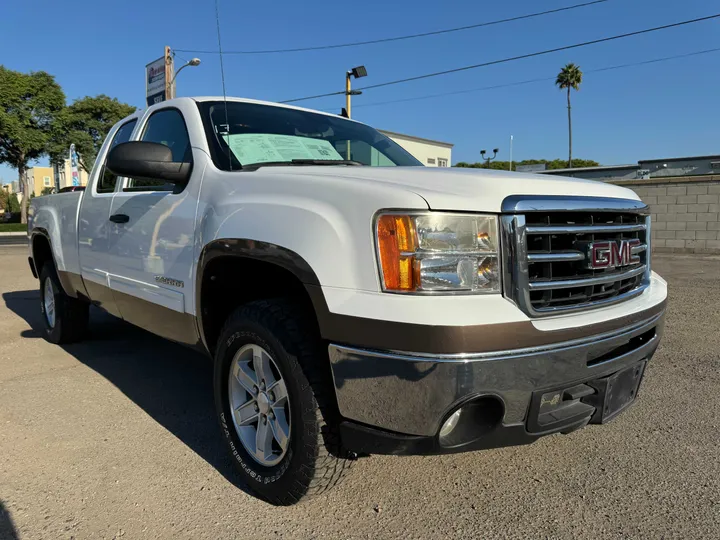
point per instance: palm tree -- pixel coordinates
(570, 77)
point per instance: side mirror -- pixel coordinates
(147, 161)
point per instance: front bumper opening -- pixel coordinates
(471, 421)
(596, 401)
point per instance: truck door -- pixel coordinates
(94, 227)
(150, 256)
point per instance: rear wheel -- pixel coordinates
(65, 318)
(274, 398)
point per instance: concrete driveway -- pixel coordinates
(116, 437)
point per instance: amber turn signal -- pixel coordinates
(396, 246)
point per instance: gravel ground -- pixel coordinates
(116, 437)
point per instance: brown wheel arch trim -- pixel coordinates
(249, 249)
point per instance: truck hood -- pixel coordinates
(472, 190)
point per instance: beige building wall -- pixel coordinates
(430, 153)
(39, 179)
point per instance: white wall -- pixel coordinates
(425, 152)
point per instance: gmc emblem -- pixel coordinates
(610, 254)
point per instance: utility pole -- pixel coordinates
(169, 74)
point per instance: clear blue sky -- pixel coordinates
(659, 110)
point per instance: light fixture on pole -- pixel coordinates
(356, 72)
(489, 159)
(194, 62)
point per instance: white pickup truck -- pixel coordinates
(353, 301)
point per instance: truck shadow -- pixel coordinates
(7, 528)
(171, 383)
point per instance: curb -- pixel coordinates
(13, 233)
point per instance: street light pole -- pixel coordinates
(356, 72)
(171, 85)
(348, 93)
(489, 159)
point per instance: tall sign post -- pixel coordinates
(169, 74)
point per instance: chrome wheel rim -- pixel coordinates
(259, 404)
(49, 303)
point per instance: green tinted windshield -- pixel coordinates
(254, 134)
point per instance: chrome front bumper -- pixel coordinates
(411, 393)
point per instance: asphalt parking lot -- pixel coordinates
(116, 437)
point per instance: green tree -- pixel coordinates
(86, 123)
(570, 78)
(47, 191)
(4, 201)
(8, 202)
(28, 105)
(549, 164)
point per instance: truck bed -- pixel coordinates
(56, 216)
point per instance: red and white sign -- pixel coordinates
(155, 81)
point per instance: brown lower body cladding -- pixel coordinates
(685, 212)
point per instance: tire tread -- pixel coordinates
(288, 322)
(73, 315)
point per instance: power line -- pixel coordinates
(400, 38)
(520, 57)
(530, 81)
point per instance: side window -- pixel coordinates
(165, 127)
(107, 181)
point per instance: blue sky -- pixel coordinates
(658, 110)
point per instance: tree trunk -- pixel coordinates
(22, 176)
(569, 132)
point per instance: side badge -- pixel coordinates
(170, 281)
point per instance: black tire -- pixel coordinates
(71, 315)
(315, 460)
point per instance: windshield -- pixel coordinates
(254, 134)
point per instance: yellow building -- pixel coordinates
(55, 177)
(40, 178)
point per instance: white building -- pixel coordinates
(430, 153)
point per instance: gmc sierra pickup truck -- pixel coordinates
(353, 301)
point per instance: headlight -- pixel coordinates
(438, 252)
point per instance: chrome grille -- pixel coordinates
(545, 253)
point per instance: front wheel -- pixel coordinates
(65, 318)
(273, 394)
